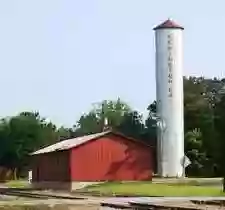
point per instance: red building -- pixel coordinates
(106, 156)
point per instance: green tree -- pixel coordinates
(200, 96)
(220, 128)
(151, 125)
(195, 152)
(65, 133)
(132, 125)
(22, 134)
(93, 122)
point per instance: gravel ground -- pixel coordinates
(51, 207)
(92, 203)
(88, 202)
(50, 204)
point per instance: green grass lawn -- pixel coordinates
(17, 184)
(152, 189)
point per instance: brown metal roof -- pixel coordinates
(168, 24)
(69, 143)
(75, 142)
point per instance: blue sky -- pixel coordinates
(60, 56)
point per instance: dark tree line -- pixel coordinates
(204, 119)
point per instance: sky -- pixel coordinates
(59, 57)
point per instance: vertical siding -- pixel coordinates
(51, 167)
(111, 158)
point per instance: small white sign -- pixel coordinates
(30, 176)
(186, 162)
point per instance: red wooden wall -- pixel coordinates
(112, 158)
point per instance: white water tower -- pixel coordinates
(169, 94)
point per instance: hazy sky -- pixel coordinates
(60, 56)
